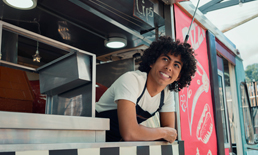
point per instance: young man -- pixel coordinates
(136, 96)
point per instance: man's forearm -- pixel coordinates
(142, 133)
(130, 130)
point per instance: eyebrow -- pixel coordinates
(170, 59)
(167, 56)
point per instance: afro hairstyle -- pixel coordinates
(164, 45)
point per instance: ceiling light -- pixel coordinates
(21, 4)
(36, 57)
(115, 42)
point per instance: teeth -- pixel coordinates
(164, 74)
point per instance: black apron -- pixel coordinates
(114, 134)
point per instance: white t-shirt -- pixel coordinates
(129, 86)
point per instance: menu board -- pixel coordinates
(143, 9)
(196, 111)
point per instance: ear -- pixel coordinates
(151, 66)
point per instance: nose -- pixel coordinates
(168, 67)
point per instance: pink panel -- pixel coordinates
(226, 151)
(196, 110)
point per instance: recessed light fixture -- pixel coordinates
(21, 4)
(115, 42)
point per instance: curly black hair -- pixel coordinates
(165, 45)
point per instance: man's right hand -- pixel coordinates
(170, 134)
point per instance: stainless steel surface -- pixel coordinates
(39, 136)
(107, 73)
(110, 20)
(169, 21)
(189, 7)
(49, 106)
(55, 61)
(100, 136)
(71, 105)
(38, 37)
(178, 125)
(65, 74)
(176, 94)
(30, 147)
(10, 46)
(1, 31)
(85, 70)
(93, 93)
(75, 102)
(16, 66)
(84, 66)
(173, 23)
(13, 120)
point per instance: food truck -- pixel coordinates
(57, 59)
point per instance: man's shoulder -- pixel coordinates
(136, 74)
(132, 80)
(168, 93)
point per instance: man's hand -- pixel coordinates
(170, 135)
(167, 120)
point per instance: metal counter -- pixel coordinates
(24, 128)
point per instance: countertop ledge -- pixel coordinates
(14, 120)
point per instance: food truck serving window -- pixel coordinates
(39, 86)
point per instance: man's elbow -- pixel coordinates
(129, 136)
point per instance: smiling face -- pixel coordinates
(165, 70)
